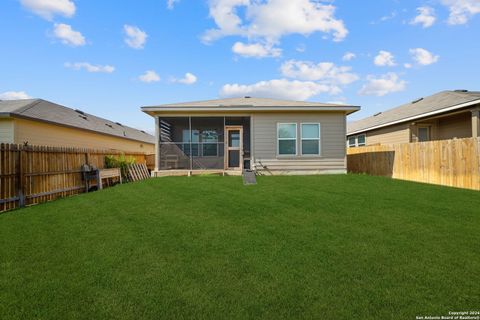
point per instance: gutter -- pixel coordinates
(348, 109)
(420, 116)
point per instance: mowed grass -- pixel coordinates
(324, 247)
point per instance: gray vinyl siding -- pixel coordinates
(332, 143)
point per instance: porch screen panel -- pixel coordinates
(174, 143)
(207, 143)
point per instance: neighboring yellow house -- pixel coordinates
(40, 122)
(442, 116)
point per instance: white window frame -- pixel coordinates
(358, 143)
(319, 139)
(295, 139)
(354, 144)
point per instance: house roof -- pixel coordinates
(249, 104)
(424, 107)
(46, 111)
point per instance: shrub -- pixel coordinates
(119, 162)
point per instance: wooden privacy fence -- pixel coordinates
(35, 174)
(150, 161)
(454, 163)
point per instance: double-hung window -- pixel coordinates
(357, 141)
(287, 139)
(361, 139)
(310, 135)
(352, 142)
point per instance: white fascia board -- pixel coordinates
(249, 109)
(420, 116)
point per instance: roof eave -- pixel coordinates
(165, 109)
(20, 116)
(420, 116)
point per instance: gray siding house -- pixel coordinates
(444, 115)
(266, 135)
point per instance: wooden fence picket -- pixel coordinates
(35, 174)
(454, 163)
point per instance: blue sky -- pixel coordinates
(110, 57)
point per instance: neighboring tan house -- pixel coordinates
(445, 115)
(40, 122)
(270, 136)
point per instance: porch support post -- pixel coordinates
(225, 144)
(157, 143)
(252, 143)
(413, 132)
(191, 140)
(476, 122)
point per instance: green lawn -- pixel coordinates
(324, 247)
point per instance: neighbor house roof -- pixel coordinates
(441, 102)
(46, 111)
(249, 104)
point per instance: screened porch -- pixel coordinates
(204, 143)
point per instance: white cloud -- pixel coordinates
(341, 101)
(301, 48)
(47, 9)
(389, 17)
(426, 17)
(461, 10)
(273, 19)
(149, 76)
(67, 35)
(135, 38)
(348, 56)
(14, 95)
(255, 50)
(279, 88)
(90, 67)
(423, 57)
(171, 3)
(384, 59)
(189, 79)
(325, 72)
(308, 79)
(407, 65)
(382, 85)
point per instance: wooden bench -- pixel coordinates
(108, 173)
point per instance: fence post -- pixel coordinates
(20, 187)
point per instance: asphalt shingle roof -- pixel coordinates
(416, 108)
(248, 102)
(39, 109)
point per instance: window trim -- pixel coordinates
(354, 144)
(429, 132)
(287, 139)
(319, 139)
(358, 143)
